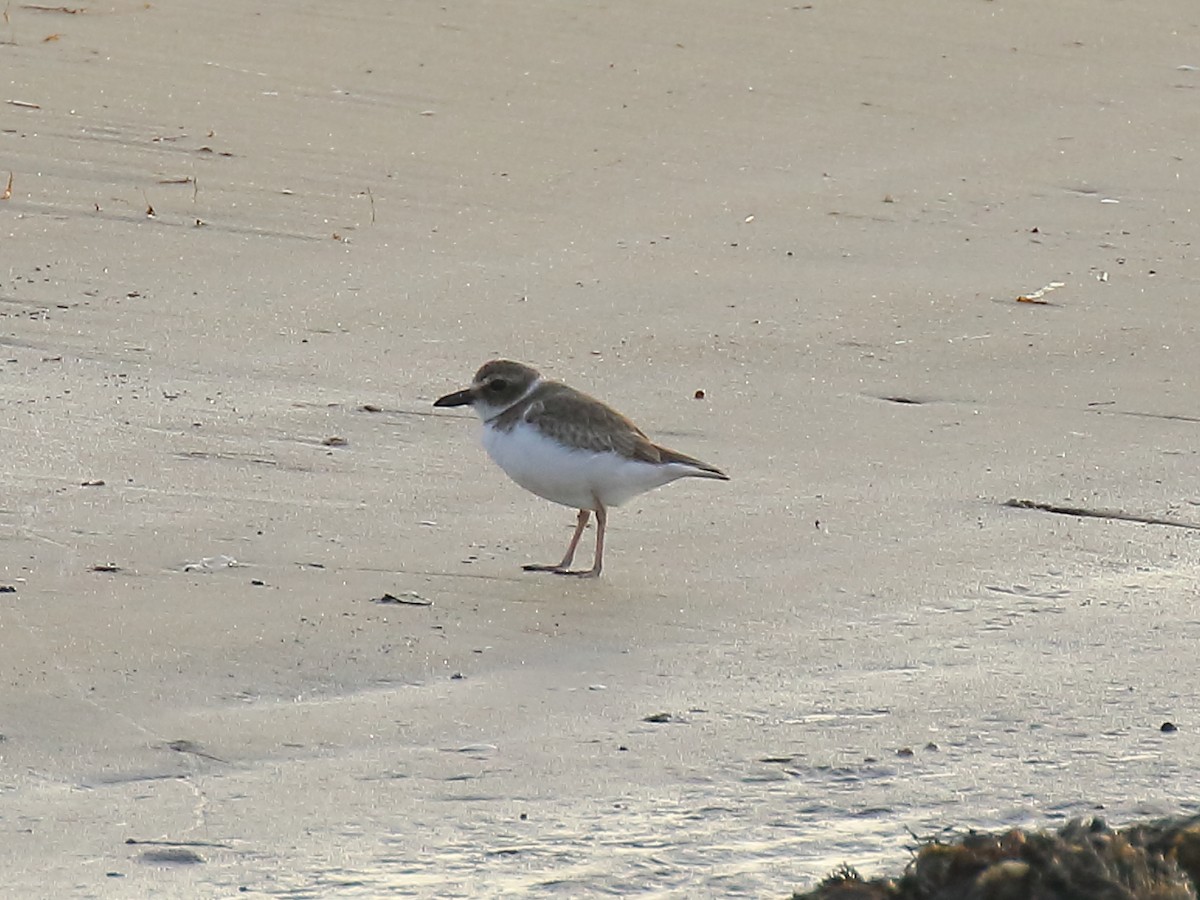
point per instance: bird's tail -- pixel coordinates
(699, 468)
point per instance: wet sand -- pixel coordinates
(822, 216)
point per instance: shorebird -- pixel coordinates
(569, 448)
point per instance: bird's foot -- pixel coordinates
(557, 569)
(579, 573)
(563, 570)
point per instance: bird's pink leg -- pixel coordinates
(580, 523)
(597, 564)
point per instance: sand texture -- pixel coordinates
(244, 247)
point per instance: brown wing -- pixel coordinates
(585, 422)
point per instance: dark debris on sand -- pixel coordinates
(1086, 860)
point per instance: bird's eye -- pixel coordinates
(497, 384)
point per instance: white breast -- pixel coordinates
(575, 478)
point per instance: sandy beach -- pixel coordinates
(921, 259)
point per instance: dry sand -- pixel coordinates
(798, 209)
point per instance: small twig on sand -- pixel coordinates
(1084, 512)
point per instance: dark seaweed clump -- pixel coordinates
(1086, 860)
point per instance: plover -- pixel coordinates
(569, 448)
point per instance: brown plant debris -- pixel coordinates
(1158, 860)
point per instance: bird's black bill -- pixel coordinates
(458, 398)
